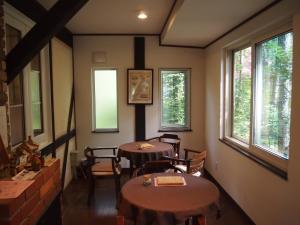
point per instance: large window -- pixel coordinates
(175, 99)
(29, 92)
(105, 101)
(257, 97)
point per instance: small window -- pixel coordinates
(105, 104)
(36, 96)
(175, 99)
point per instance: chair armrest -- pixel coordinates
(89, 151)
(187, 150)
(191, 150)
(104, 148)
(152, 139)
(104, 157)
(177, 159)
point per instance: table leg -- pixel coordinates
(201, 220)
(131, 168)
(120, 220)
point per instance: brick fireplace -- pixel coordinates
(32, 202)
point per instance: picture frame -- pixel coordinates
(140, 86)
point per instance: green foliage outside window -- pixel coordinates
(273, 91)
(242, 94)
(272, 99)
(174, 98)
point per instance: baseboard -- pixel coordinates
(210, 177)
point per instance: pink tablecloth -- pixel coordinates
(138, 156)
(167, 205)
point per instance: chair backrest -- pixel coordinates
(92, 159)
(197, 162)
(173, 140)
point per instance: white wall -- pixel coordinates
(265, 197)
(120, 55)
(62, 67)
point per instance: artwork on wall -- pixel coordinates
(140, 86)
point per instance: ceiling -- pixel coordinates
(191, 22)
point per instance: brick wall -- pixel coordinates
(31, 204)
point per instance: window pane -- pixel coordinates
(273, 94)
(105, 99)
(15, 89)
(17, 125)
(174, 99)
(241, 94)
(36, 96)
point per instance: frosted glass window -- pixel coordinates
(105, 100)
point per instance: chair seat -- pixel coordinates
(103, 169)
(183, 168)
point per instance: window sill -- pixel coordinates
(175, 130)
(279, 172)
(105, 131)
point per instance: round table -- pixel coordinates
(168, 204)
(138, 156)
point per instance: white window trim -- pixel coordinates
(18, 20)
(226, 94)
(188, 72)
(94, 129)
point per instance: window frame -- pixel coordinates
(103, 130)
(187, 127)
(262, 156)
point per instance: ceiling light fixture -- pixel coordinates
(142, 16)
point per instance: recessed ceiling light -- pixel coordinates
(142, 16)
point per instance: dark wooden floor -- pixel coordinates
(103, 212)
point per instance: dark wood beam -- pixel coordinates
(40, 35)
(66, 153)
(35, 11)
(139, 64)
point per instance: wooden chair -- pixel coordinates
(192, 165)
(102, 166)
(171, 139)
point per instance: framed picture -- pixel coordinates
(140, 86)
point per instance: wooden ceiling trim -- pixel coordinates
(40, 35)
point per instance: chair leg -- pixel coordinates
(131, 168)
(118, 186)
(187, 222)
(91, 189)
